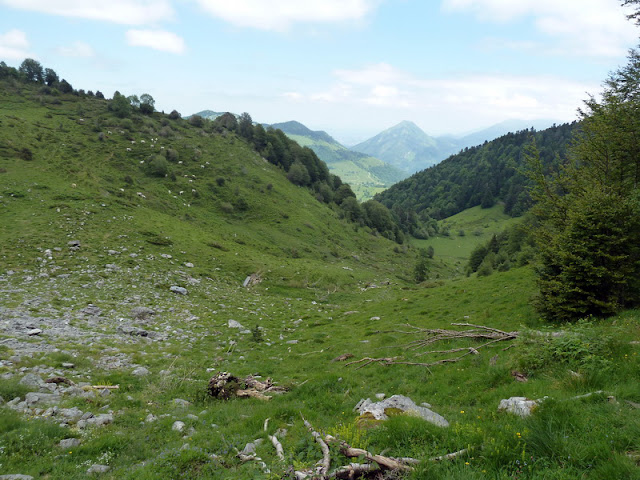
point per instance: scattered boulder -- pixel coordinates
(32, 380)
(91, 310)
(33, 332)
(150, 418)
(71, 414)
(140, 372)
(521, 406)
(16, 476)
(74, 244)
(399, 402)
(235, 324)
(179, 290)
(178, 426)
(95, 468)
(133, 331)
(69, 442)
(37, 398)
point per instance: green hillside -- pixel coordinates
(126, 239)
(482, 175)
(367, 175)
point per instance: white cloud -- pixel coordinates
(127, 12)
(451, 104)
(77, 49)
(279, 15)
(585, 27)
(156, 39)
(14, 45)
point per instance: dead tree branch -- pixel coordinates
(429, 336)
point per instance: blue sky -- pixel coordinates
(350, 67)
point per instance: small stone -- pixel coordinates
(374, 318)
(95, 468)
(100, 420)
(234, 324)
(32, 380)
(188, 265)
(150, 418)
(179, 402)
(180, 290)
(74, 243)
(292, 342)
(16, 476)
(68, 365)
(34, 331)
(91, 310)
(521, 406)
(69, 443)
(140, 372)
(191, 416)
(178, 426)
(380, 396)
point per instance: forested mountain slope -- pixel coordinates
(482, 175)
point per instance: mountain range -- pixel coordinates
(374, 165)
(407, 147)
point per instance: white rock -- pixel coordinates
(95, 468)
(235, 324)
(34, 331)
(178, 426)
(520, 406)
(402, 403)
(140, 372)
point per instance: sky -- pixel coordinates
(350, 67)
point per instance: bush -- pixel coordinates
(158, 166)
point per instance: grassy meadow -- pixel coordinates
(327, 288)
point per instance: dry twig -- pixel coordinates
(430, 336)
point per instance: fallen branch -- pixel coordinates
(430, 336)
(223, 385)
(274, 441)
(451, 456)
(326, 456)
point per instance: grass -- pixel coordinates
(325, 291)
(465, 231)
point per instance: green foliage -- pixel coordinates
(589, 239)
(120, 105)
(32, 70)
(158, 166)
(147, 104)
(421, 269)
(479, 176)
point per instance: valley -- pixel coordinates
(142, 254)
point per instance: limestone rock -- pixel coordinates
(180, 290)
(400, 402)
(179, 402)
(95, 468)
(234, 324)
(32, 380)
(521, 406)
(140, 372)
(69, 443)
(178, 426)
(16, 476)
